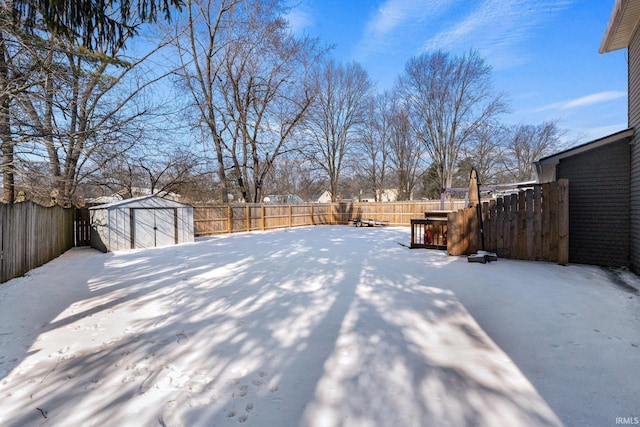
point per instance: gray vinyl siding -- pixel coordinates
(634, 80)
(634, 122)
(599, 204)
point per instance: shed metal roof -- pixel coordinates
(143, 202)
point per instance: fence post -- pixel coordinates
(563, 221)
(229, 218)
(522, 226)
(529, 215)
(537, 223)
(554, 222)
(487, 234)
(452, 233)
(3, 215)
(513, 226)
(473, 227)
(546, 221)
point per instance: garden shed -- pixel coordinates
(141, 222)
(599, 190)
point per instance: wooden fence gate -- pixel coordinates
(531, 225)
(82, 225)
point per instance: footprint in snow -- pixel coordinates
(182, 338)
(241, 392)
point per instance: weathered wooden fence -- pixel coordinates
(530, 225)
(217, 219)
(32, 235)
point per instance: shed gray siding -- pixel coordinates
(142, 222)
(599, 204)
(634, 122)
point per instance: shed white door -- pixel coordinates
(154, 227)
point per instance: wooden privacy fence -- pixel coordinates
(218, 219)
(530, 225)
(32, 235)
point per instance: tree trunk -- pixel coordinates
(6, 138)
(224, 188)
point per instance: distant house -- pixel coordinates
(324, 197)
(284, 199)
(386, 195)
(604, 175)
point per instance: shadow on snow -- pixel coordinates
(316, 326)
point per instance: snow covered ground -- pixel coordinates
(316, 326)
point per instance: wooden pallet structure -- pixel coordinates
(362, 222)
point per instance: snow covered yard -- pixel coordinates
(316, 326)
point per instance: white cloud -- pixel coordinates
(394, 13)
(497, 28)
(298, 20)
(398, 20)
(583, 101)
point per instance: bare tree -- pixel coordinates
(6, 137)
(248, 77)
(405, 152)
(18, 64)
(485, 152)
(293, 175)
(199, 40)
(267, 93)
(526, 144)
(85, 103)
(154, 168)
(35, 38)
(339, 110)
(448, 99)
(373, 143)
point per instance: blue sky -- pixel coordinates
(544, 53)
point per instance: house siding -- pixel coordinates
(634, 122)
(599, 204)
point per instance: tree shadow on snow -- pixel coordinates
(316, 326)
